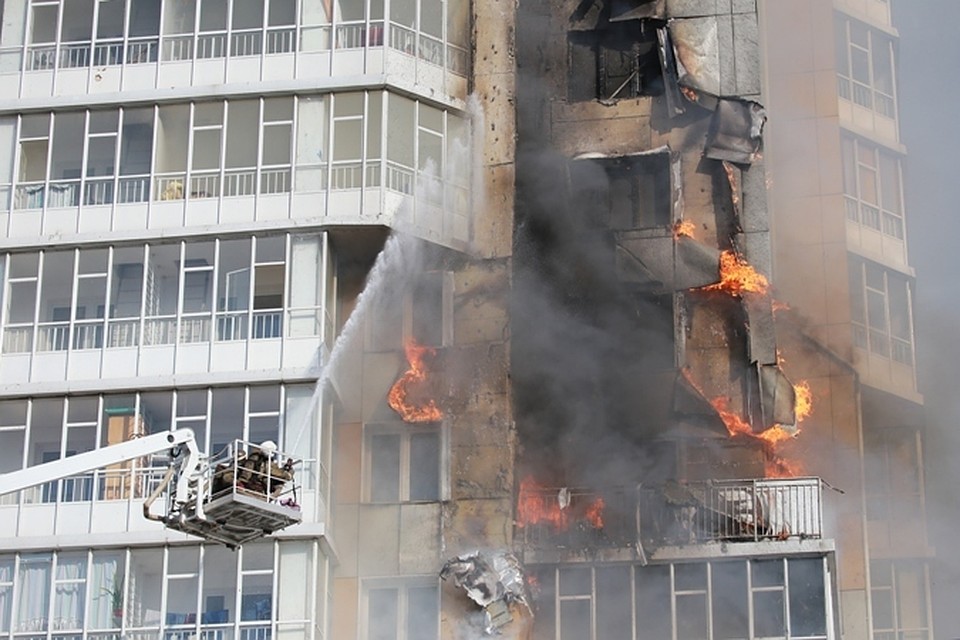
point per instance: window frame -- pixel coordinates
(405, 432)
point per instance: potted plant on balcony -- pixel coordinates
(116, 597)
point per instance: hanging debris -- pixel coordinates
(494, 581)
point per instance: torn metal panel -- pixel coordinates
(762, 333)
(637, 9)
(697, 49)
(777, 398)
(733, 180)
(675, 264)
(493, 581)
(676, 185)
(596, 155)
(668, 67)
(753, 210)
(736, 131)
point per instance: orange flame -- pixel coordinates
(803, 405)
(535, 505)
(684, 228)
(428, 411)
(689, 94)
(738, 277)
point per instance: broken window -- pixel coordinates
(403, 464)
(865, 66)
(624, 193)
(621, 60)
(881, 310)
(408, 610)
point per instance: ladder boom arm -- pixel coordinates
(99, 459)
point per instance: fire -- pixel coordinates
(427, 411)
(738, 277)
(734, 187)
(536, 505)
(803, 405)
(684, 228)
(689, 94)
(779, 305)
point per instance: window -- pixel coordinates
(422, 314)
(894, 485)
(629, 192)
(402, 610)
(403, 463)
(872, 184)
(695, 601)
(620, 60)
(865, 66)
(881, 311)
(900, 594)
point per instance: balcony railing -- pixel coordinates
(681, 514)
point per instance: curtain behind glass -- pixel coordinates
(33, 599)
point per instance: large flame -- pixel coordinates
(397, 398)
(537, 505)
(738, 277)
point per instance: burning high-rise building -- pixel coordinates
(533, 287)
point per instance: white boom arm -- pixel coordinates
(181, 441)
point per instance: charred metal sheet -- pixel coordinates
(761, 331)
(587, 15)
(736, 131)
(495, 582)
(676, 185)
(777, 398)
(687, 400)
(676, 264)
(753, 209)
(733, 181)
(697, 49)
(668, 66)
(637, 9)
(755, 247)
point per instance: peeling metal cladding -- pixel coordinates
(736, 131)
(761, 330)
(675, 264)
(754, 217)
(493, 581)
(778, 398)
(637, 9)
(689, 401)
(676, 185)
(696, 45)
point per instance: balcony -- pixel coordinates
(674, 514)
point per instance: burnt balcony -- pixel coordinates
(648, 517)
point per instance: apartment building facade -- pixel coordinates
(836, 161)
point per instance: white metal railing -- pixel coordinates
(267, 324)
(205, 185)
(261, 632)
(246, 43)
(123, 333)
(108, 54)
(884, 104)
(902, 351)
(53, 336)
(402, 39)
(211, 45)
(18, 339)
(133, 189)
(142, 51)
(860, 336)
(458, 60)
(75, 56)
(160, 330)
(194, 329)
(240, 182)
(879, 342)
(892, 225)
(274, 181)
(843, 87)
(178, 48)
(346, 176)
(350, 35)
(98, 191)
(88, 335)
(399, 178)
(42, 57)
(29, 196)
(282, 40)
(853, 209)
(231, 326)
(63, 193)
(170, 186)
(870, 216)
(430, 49)
(862, 95)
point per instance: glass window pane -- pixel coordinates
(276, 145)
(575, 620)
(427, 323)
(213, 15)
(876, 310)
(652, 588)
(425, 466)
(197, 291)
(248, 14)
(57, 288)
(400, 130)
(423, 613)
(347, 139)
(690, 577)
(278, 109)
(385, 468)
(575, 581)
(243, 125)
(173, 124)
(692, 617)
(127, 282)
(731, 618)
(614, 620)
(808, 615)
(282, 12)
(767, 573)
(33, 596)
(206, 149)
(219, 585)
(67, 154)
(136, 141)
(33, 161)
(431, 18)
(77, 24)
(69, 591)
(145, 18)
(296, 567)
(226, 418)
(179, 16)
(106, 590)
(110, 19)
(44, 24)
(144, 588)
(104, 120)
(890, 182)
(382, 614)
(768, 614)
(21, 303)
(11, 449)
(101, 155)
(374, 124)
